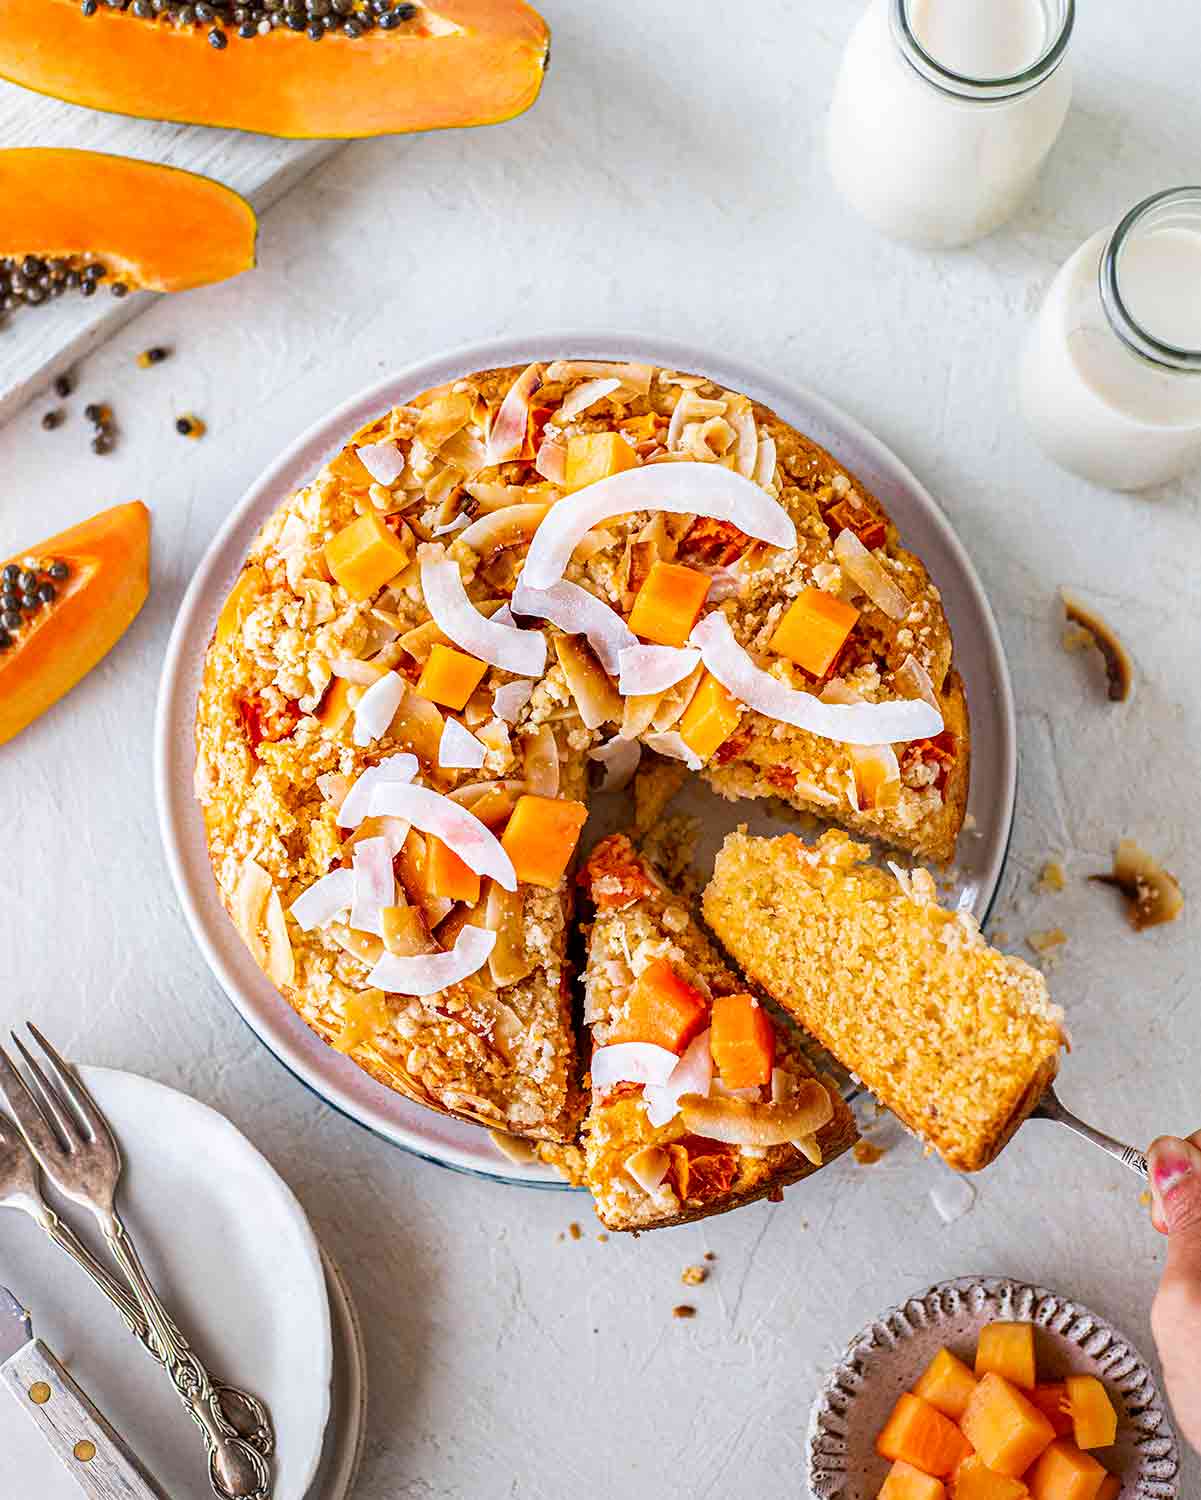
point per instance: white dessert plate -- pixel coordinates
(232, 1252)
(888, 1356)
(923, 526)
(346, 1431)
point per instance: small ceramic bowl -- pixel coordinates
(889, 1355)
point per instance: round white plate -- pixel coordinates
(887, 1357)
(346, 1431)
(233, 1255)
(922, 524)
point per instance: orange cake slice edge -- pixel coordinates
(639, 925)
(956, 1038)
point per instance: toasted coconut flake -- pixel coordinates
(582, 397)
(849, 723)
(696, 489)
(765, 463)
(808, 1147)
(690, 409)
(364, 946)
(490, 495)
(740, 1122)
(458, 749)
(374, 884)
(1119, 670)
(465, 451)
(519, 651)
(393, 831)
(877, 775)
(511, 527)
(507, 435)
(510, 699)
(456, 523)
(443, 417)
(520, 1152)
(324, 901)
(374, 711)
(653, 669)
(635, 377)
(631, 1062)
(352, 670)
(383, 461)
(595, 696)
(672, 745)
(333, 787)
(1153, 896)
(620, 759)
(540, 761)
(913, 680)
(427, 974)
(648, 1167)
(868, 572)
(579, 612)
(508, 963)
(747, 452)
(692, 1075)
(475, 844)
(249, 902)
(356, 802)
(551, 461)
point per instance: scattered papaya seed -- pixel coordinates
(709, 1255)
(152, 356)
(1091, 630)
(190, 426)
(52, 419)
(63, 385)
(684, 1310)
(603, 1237)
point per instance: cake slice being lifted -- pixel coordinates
(955, 1038)
(701, 1099)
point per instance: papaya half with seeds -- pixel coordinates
(94, 578)
(457, 62)
(154, 228)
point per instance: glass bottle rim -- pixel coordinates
(965, 88)
(1146, 345)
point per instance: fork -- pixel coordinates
(20, 1189)
(73, 1144)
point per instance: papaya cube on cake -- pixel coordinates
(1094, 1420)
(904, 1482)
(974, 1480)
(947, 1384)
(1063, 1472)
(365, 555)
(668, 603)
(1008, 1349)
(814, 630)
(920, 1435)
(742, 1041)
(449, 677)
(540, 837)
(1004, 1427)
(663, 1009)
(596, 455)
(710, 718)
(447, 875)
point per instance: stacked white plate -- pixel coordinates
(237, 1263)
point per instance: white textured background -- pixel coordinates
(670, 179)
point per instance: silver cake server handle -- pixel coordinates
(1051, 1107)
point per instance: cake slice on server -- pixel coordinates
(957, 1039)
(701, 1098)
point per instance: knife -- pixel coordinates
(98, 1458)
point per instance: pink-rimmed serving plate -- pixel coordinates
(979, 655)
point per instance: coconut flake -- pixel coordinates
(673, 745)
(748, 442)
(653, 669)
(383, 461)
(511, 526)
(430, 812)
(740, 1122)
(765, 462)
(377, 707)
(693, 1074)
(914, 681)
(428, 973)
(551, 461)
(636, 377)
(511, 698)
(680, 489)
(582, 397)
(324, 900)
(632, 1062)
(459, 750)
(578, 612)
(499, 644)
(863, 568)
(620, 759)
(648, 1167)
(849, 723)
(507, 435)
(356, 803)
(456, 523)
(374, 885)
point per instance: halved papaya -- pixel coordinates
(85, 586)
(151, 227)
(456, 62)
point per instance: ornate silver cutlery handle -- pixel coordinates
(237, 1470)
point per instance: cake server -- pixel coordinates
(94, 1453)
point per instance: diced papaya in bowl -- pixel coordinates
(947, 1384)
(667, 604)
(904, 1482)
(1111, 1488)
(974, 1480)
(742, 1041)
(1007, 1349)
(1051, 1398)
(540, 837)
(662, 1008)
(923, 1437)
(1094, 1421)
(1063, 1472)
(1004, 1427)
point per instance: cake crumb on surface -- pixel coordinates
(1145, 1198)
(684, 1310)
(1051, 878)
(574, 1230)
(694, 1275)
(1048, 942)
(709, 1255)
(867, 1153)
(603, 1237)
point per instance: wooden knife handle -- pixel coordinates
(102, 1463)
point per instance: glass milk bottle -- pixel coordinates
(944, 111)
(1110, 381)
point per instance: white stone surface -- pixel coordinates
(671, 180)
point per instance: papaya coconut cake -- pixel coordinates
(957, 1039)
(701, 1098)
(487, 589)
